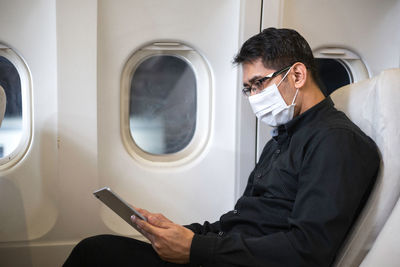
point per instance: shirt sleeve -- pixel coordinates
(335, 178)
(205, 228)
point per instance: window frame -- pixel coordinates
(204, 83)
(351, 61)
(24, 73)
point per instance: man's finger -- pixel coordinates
(158, 220)
(144, 212)
(145, 226)
(145, 234)
(149, 236)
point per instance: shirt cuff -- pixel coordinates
(190, 227)
(202, 249)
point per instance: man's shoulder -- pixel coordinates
(336, 123)
(333, 120)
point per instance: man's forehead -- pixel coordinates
(254, 70)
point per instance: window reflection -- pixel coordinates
(162, 106)
(11, 127)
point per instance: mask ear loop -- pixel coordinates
(284, 76)
(297, 91)
(295, 95)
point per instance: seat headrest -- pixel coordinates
(373, 105)
(2, 104)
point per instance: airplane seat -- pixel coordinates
(2, 104)
(373, 105)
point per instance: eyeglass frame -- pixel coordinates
(249, 89)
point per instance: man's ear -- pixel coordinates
(299, 74)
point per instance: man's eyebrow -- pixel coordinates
(252, 80)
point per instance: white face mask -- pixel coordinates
(270, 107)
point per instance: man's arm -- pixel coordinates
(336, 176)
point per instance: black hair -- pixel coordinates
(277, 49)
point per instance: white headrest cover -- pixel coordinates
(373, 105)
(2, 104)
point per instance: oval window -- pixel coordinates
(15, 130)
(338, 67)
(165, 104)
(11, 127)
(162, 109)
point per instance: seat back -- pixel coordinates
(2, 104)
(386, 248)
(374, 105)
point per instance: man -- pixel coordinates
(309, 185)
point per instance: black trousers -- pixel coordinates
(110, 250)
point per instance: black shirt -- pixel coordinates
(310, 183)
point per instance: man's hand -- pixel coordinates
(171, 241)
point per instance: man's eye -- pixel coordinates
(257, 84)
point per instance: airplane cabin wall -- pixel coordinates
(29, 190)
(174, 189)
(76, 52)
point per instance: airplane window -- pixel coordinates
(333, 74)
(16, 127)
(11, 127)
(166, 104)
(338, 66)
(162, 105)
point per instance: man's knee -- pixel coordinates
(111, 250)
(93, 241)
(84, 249)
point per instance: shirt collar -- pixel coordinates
(307, 116)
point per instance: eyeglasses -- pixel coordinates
(256, 86)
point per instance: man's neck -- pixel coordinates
(311, 96)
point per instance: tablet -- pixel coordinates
(118, 205)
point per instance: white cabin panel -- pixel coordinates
(189, 191)
(76, 52)
(28, 190)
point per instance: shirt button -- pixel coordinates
(235, 211)
(277, 151)
(221, 233)
(258, 175)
